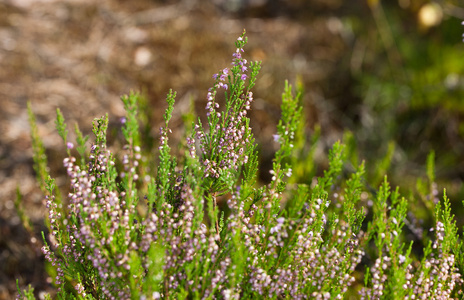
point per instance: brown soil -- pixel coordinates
(82, 55)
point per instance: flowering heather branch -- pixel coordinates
(227, 144)
(116, 237)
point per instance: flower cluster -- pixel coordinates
(98, 219)
(224, 146)
(131, 161)
(438, 266)
(186, 243)
(435, 278)
(302, 263)
(220, 81)
(54, 261)
(239, 62)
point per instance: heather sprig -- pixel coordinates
(388, 276)
(62, 131)
(130, 129)
(81, 141)
(25, 220)
(288, 124)
(227, 143)
(38, 150)
(166, 168)
(28, 293)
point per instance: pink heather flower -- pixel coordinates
(223, 85)
(69, 145)
(123, 120)
(289, 172)
(243, 77)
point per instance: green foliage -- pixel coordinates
(25, 220)
(26, 294)
(61, 127)
(130, 129)
(81, 141)
(408, 86)
(202, 226)
(38, 150)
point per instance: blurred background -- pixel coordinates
(389, 72)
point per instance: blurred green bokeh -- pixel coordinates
(407, 68)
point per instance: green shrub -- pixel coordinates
(202, 226)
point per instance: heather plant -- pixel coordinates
(199, 225)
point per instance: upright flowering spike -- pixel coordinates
(224, 147)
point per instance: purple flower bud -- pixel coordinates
(123, 120)
(69, 145)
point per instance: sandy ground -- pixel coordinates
(82, 55)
